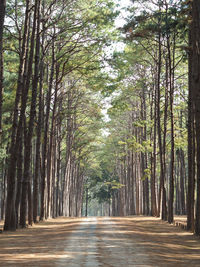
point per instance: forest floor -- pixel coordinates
(100, 241)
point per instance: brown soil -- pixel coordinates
(95, 242)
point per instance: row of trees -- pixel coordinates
(51, 113)
(153, 139)
(156, 95)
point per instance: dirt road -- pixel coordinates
(95, 242)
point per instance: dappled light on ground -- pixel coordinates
(130, 241)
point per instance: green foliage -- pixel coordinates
(147, 174)
(115, 184)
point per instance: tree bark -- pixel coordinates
(46, 132)
(162, 199)
(28, 147)
(2, 17)
(191, 138)
(10, 216)
(196, 90)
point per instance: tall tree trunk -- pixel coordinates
(52, 133)
(154, 211)
(171, 87)
(162, 199)
(59, 175)
(19, 181)
(28, 148)
(196, 95)
(2, 16)
(191, 138)
(10, 216)
(38, 147)
(144, 156)
(3, 192)
(86, 202)
(37, 172)
(46, 132)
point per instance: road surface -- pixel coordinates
(94, 242)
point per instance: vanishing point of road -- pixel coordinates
(100, 242)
